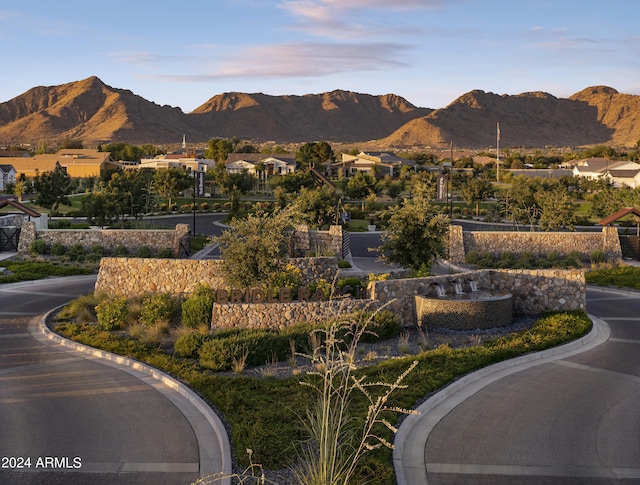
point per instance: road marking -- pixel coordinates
(624, 340)
(26, 291)
(544, 471)
(38, 366)
(596, 370)
(15, 335)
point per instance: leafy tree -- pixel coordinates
(423, 184)
(558, 209)
(218, 149)
(360, 186)
(475, 190)
(242, 181)
(316, 207)
(315, 154)
(293, 182)
(169, 182)
(128, 191)
(52, 188)
(253, 249)
(99, 208)
(606, 202)
(415, 236)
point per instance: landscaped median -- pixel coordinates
(265, 414)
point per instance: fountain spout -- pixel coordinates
(458, 287)
(473, 285)
(439, 289)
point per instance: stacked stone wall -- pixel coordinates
(137, 276)
(534, 291)
(12, 220)
(109, 239)
(540, 243)
(281, 315)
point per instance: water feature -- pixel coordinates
(440, 291)
(478, 309)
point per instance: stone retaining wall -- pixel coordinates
(137, 276)
(534, 291)
(109, 239)
(11, 220)
(540, 243)
(281, 315)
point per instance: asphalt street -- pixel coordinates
(573, 419)
(67, 417)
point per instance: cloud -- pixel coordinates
(341, 19)
(300, 60)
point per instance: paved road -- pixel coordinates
(574, 419)
(79, 420)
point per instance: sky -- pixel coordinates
(430, 52)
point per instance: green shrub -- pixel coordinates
(97, 249)
(383, 325)
(197, 308)
(597, 257)
(37, 246)
(58, 249)
(289, 277)
(112, 313)
(573, 260)
(165, 253)
(507, 260)
(143, 252)
(351, 281)
(76, 252)
(121, 251)
(157, 307)
(472, 257)
(188, 345)
(343, 263)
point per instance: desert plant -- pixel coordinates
(188, 345)
(76, 252)
(37, 246)
(597, 257)
(196, 309)
(121, 251)
(112, 313)
(143, 252)
(57, 249)
(157, 307)
(165, 253)
(338, 440)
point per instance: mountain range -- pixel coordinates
(94, 113)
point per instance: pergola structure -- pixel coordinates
(607, 221)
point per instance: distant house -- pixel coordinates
(77, 162)
(189, 162)
(378, 164)
(257, 163)
(7, 176)
(624, 178)
(619, 173)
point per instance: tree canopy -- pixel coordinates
(52, 188)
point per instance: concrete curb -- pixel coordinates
(213, 447)
(410, 440)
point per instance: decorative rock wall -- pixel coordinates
(281, 315)
(157, 239)
(314, 242)
(137, 276)
(534, 291)
(11, 220)
(541, 243)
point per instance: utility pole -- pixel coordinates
(498, 152)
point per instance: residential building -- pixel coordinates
(378, 164)
(257, 163)
(7, 176)
(618, 172)
(77, 162)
